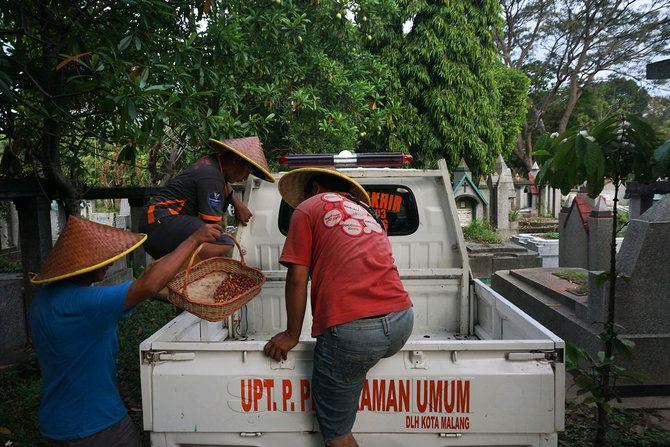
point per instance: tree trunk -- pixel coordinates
(152, 161)
(170, 165)
(524, 146)
(50, 160)
(51, 137)
(573, 96)
(522, 152)
(601, 433)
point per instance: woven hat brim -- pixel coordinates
(40, 279)
(83, 246)
(292, 185)
(259, 171)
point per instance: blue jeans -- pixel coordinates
(342, 357)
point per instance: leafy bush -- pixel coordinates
(630, 427)
(514, 215)
(480, 231)
(7, 266)
(19, 405)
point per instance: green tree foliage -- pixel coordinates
(598, 101)
(617, 94)
(658, 114)
(616, 148)
(152, 81)
(564, 45)
(147, 82)
(81, 77)
(513, 87)
(304, 64)
(446, 97)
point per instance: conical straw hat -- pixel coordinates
(251, 150)
(84, 246)
(292, 185)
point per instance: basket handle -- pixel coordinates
(239, 249)
(197, 250)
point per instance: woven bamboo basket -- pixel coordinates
(193, 289)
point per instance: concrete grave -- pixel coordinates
(117, 273)
(585, 231)
(541, 200)
(643, 300)
(546, 248)
(600, 236)
(9, 229)
(642, 311)
(486, 259)
(502, 193)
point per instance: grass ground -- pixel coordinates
(581, 280)
(629, 428)
(20, 396)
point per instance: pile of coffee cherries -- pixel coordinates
(234, 285)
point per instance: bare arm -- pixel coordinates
(157, 277)
(242, 213)
(297, 278)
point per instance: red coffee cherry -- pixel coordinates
(232, 287)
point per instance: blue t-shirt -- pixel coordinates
(74, 329)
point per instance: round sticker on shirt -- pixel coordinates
(352, 227)
(332, 197)
(354, 210)
(332, 218)
(371, 225)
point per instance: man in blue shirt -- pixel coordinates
(74, 328)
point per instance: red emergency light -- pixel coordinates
(346, 159)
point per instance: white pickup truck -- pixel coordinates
(477, 370)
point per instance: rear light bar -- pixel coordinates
(346, 159)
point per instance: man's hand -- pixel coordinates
(297, 277)
(242, 213)
(207, 233)
(157, 277)
(279, 346)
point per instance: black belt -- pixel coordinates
(373, 317)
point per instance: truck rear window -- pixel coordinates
(395, 204)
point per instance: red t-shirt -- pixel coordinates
(351, 264)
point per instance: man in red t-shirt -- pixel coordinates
(361, 311)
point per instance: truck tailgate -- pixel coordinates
(467, 391)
